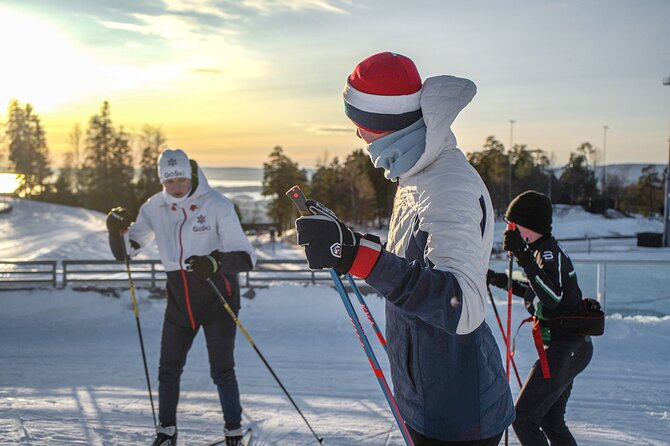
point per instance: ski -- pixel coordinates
(246, 440)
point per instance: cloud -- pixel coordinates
(208, 70)
(204, 7)
(323, 129)
(296, 5)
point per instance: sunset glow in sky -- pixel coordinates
(227, 80)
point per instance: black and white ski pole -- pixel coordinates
(298, 198)
(231, 313)
(139, 329)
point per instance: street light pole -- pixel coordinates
(605, 157)
(666, 212)
(509, 154)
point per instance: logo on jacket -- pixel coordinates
(336, 250)
(201, 227)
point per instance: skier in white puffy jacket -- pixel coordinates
(199, 237)
(446, 367)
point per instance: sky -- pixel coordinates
(227, 80)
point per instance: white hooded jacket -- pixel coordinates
(446, 367)
(203, 222)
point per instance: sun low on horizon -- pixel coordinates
(201, 102)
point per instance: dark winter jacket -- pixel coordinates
(552, 280)
(446, 367)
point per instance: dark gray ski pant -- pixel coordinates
(176, 341)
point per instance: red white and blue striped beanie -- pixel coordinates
(382, 93)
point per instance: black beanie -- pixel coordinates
(532, 210)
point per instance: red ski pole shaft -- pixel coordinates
(510, 226)
(502, 332)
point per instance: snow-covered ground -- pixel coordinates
(71, 370)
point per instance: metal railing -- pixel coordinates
(601, 272)
(648, 285)
(145, 273)
(29, 272)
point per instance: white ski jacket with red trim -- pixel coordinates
(197, 225)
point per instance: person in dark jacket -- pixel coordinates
(199, 237)
(447, 372)
(551, 290)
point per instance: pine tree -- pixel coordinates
(107, 171)
(327, 186)
(650, 187)
(528, 170)
(28, 151)
(66, 182)
(492, 164)
(152, 143)
(360, 193)
(578, 180)
(279, 175)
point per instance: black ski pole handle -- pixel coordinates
(299, 200)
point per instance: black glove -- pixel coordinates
(204, 267)
(513, 242)
(498, 280)
(118, 221)
(329, 243)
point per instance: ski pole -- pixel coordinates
(371, 357)
(502, 331)
(367, 312)
(139, 328)
(298, 198)
(512, 227)
(231, 313)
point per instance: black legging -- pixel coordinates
(540, 407)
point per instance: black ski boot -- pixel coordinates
(165, 436)
(234, 436)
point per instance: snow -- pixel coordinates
(71, 370)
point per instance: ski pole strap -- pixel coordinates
(539, 346)
(369, 250)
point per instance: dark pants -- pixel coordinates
(421, 440)
(540, 407)
(176, 341)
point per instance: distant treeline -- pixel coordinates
(98, 173)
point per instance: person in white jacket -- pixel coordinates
(199, 237)
(446, 367)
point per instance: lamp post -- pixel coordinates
(666, 212)
(605, 157)
(509, 170)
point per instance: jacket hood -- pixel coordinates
(442, 99)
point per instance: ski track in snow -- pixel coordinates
(71, 374)
(71, 370)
